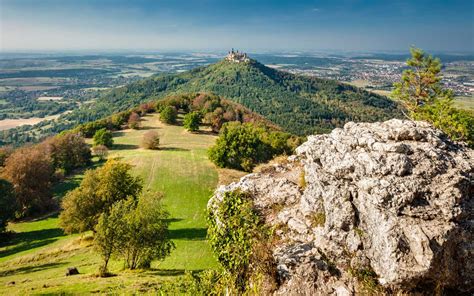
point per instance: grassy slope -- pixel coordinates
(180, 170)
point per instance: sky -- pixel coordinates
(250, 25)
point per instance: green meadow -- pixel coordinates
(35, 259)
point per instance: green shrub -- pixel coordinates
(367, 278)
(243, 146)
(318, 219)
(239, 239)
(191, 121)
(168, 114)
(302, 181)
(103, 137)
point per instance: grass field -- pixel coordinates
(466, 103)
(35, 260)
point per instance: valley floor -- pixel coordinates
(35, 260)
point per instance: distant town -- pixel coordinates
(381, 74)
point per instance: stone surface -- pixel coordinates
(395, 198)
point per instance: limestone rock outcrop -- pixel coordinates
(390, 202)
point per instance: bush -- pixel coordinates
(239, 147)
(151, 140)
(103, 137)
(243, 146)
(98, 191)
(7, 204)
(89, 129)
(101, 151)
(168, 114)
(239, 239)
(191, 121)
(134, 121)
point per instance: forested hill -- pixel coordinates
(299, 104)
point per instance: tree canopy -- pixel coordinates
(30, 171)
(103, 137)
(168, 114)
(98, 191)
(244, 145)
(191, 121)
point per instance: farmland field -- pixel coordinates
(35, 260)
(12, 123)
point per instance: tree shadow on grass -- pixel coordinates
(118, 133)
(124, 147)
(26, 247)
(188, 233)
(29, 269)
(171, 220)
(145, 128)
(172, 149)
(203, 132)
(166, 272)
(24, 241)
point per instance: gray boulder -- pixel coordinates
(391, 199)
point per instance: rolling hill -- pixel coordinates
(299, 104)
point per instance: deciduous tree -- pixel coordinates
(134, 121)
(30, 171)
(98, 191)
(103, 137)
(168, 114)
(191, 121)
(68, 151)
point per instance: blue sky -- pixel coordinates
(259, 25)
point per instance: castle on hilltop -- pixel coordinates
(237, 57)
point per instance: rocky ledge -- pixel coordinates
(372, 207)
